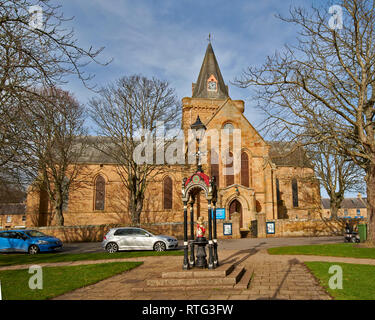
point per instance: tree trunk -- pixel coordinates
(370, 181)
(136, 206)
(334, 210)
(59, 216)
(59, 211)
(335, 204)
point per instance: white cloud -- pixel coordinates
(155, 39)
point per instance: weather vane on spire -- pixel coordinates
(209, 38)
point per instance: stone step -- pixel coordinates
(231, 279)
(185, 289)
(221, 271)
(244, 283)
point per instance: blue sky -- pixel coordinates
(168, 38)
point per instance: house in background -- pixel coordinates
(12, 207)
(12, 215)
(350, 207)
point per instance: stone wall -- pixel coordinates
(96, 233)
(283, 228)
(306, 228)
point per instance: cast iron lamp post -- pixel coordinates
(199, 130)
(190, 187)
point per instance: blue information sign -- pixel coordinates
(220, 214)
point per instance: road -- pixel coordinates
(235, 244)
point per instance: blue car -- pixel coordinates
(30, 241)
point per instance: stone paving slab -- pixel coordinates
(71, 263)
(275, 277)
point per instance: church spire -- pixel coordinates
(210, 83)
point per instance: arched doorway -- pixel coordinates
(235, 206)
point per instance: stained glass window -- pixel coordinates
(245, 170)
(215, 167)
(229, 176)
(295, 192)
(99, 193)
(167, 193)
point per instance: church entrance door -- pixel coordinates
(235, 206)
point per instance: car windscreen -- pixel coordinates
(34, 233)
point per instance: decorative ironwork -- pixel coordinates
(191, 187)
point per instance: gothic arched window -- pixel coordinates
(215, 167)
(245, 177)
(167, 193)
(229, 176)
(278, 196)
(229, 127)
(295, 192)
(99, 193)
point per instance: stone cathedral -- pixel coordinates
(272, 181)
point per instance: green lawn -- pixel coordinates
(333, 250)
(358, 280)
(15, 259)
(58, 280)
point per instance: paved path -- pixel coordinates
(230, 244)
(275, 277)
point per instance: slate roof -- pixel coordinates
(12, 209)
(280, 154)
(10, 193)
(210, 67)
(283, 155)
(348, 203)
(92, 154)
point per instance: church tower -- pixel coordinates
(209, 93)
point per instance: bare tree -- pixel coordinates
(54, 141)
(127, 114)
(37, 50)
(326, 84)
(337, 174)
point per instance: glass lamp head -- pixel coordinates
(199, 129)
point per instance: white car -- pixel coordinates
(136, 239)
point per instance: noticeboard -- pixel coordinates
(270, 227)
(227, 229)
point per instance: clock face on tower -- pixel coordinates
(211, 86)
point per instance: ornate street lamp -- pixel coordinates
(199, 130)
(199, 181)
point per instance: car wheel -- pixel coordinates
(160, 246)
(354, 239)
(33, 249)
(112, 247)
